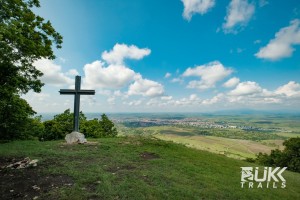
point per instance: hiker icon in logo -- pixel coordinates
(269, 177)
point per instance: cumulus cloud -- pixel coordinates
(166, 98)
(134, 103)
(72, 72)
(192, 7)
(231, 82)
(209, 75)
(123, 51)
(290, 89)
(239, 12)
(282, 45)
(112, 76)
(53, 74)
(262, 3)
(168, 75)
(246, 88)
(213, 100)
(177, 80)
(145, 87)
(112, 73)
(257, 42)
(32, 96)
(193, 99)
(111, 100)
(246, 94)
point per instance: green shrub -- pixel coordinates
(289, 157)
(62, 124)
(99, 128)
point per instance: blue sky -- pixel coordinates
(173, 56)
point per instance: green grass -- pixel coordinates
(113, 168)
(233, 148)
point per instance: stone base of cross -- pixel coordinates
(76, 136)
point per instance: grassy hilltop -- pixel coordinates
(128, 168)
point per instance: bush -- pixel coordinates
(62, 124)
(92, 128)
(108, 127)
(35, 128)
(15, 115)
(99, 128)
(53, 131)
(289, 157)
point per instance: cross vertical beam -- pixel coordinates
(77, 92)
(76, 103)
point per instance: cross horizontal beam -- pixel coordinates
(71, 92)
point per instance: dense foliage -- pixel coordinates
(289, 157)
(24, 38)
(62, 124)
(14, 120)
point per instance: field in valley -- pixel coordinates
(236, 136)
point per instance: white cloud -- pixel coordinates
(112, 73)
(145, 87)
(111, 100)
(177, 80)
(282, 45)
(231, 82)
(104, 92)
(134, 103)
(53, 74)
(113, 76)
(32, 96)
(262, 3)
(168, 75)
(62, 60)
(209, 73)
(72, 72)
(118, 93)
(239, 12)
(193, 99)
(257, 42)
(213, 100)
(123, 51)
(246, 88)
(166, 98)
(192, 7)
(290, 89)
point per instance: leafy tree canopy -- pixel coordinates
(24, 38)
(62, 124)
(289, 157)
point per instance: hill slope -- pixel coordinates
(128, 168)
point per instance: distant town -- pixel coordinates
(188, 122)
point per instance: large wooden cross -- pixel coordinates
(77, 92)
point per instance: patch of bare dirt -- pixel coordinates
(28, 183)
(149, 155)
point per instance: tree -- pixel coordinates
(108, 127)
(99, 128)
(92, 128)
(14, 118)
(24, 38)
(60, 125)
(289, 157)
